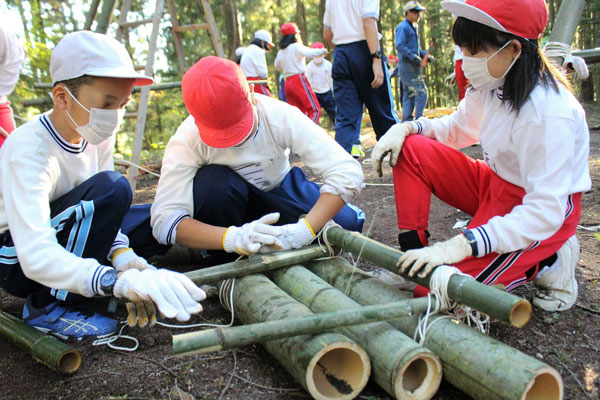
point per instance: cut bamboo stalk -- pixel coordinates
(480, 366)
(327, 365)
(218, 339)
(464, 289)
(44, 348)
(401, 367)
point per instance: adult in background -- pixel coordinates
(410, 56)
(11, 58)
(319, 76)
(291, 60)
(525, 195)
(359, 74)
(254, 63)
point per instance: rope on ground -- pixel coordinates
(111, 339)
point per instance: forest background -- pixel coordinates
(44, 22)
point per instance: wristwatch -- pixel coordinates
(471, 240)
(107, 281)
(377, 54)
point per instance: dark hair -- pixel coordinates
(261, 43)
(531, 68)
(286, 40)
(74, 84)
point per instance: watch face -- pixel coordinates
(107, 280)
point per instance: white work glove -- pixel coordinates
(124, 259)
(293, 236)
(390, 142)
(248, 238)
(578, 64)
(175, 295)
(450, 80)
(442, 253)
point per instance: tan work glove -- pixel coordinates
(442, 253)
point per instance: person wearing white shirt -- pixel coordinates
(62, 205)
(254, 63)
(318, 73)
(291, 60)
(226, 178)
(525, 195)
(11, 58)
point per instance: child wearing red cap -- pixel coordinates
(227, 165)
(291, 59)
(62, 205)
(318, 73)
(525, 196)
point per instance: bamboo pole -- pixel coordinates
(218, 339)
(327, 365)
(477, 364)
(463, 289)
(44, 348)
(401, 367)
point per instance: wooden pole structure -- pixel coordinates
(565, 24)
(403, 368)
(477, 364)
(91, 14)
(463, 289)
(44, 348)
(218, 339)
(108, 8)
(327, 365)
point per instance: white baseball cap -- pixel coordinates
(264, 35)
(88, 53)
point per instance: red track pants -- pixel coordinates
(426, 166)
(7, 121)
(299, 93)
(260, 88)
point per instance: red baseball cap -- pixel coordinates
(216, 93)
(317, 45)
(524, 18)
(289, 28)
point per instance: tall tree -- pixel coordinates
(232, 25)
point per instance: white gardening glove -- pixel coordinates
(175, 295)
(248, 238)
(125, 258)
(390, 142)
(293, 236)
(442, 253)
(450, 80)
(578, 64)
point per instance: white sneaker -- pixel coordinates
(556, 287)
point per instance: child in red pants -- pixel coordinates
(525, 195)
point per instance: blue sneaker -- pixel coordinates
(67, 321)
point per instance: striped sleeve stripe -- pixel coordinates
(173, 229)
(484, 243)
(417, 127)
(96, 279)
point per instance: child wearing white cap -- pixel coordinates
(254, 62)
(226, 178)
(525, 195)
(318, 73)
(61, 203)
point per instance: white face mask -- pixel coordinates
(102, 125)
(319, 60)
(477, 72)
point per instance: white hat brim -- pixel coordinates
(124, 73)
(460, 9)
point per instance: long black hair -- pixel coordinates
(261, 43)
(531, 68)
(286, 40)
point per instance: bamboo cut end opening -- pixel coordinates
(420, 378)
(520, 314)
(546, 385)
(339, 371)
(69, 362)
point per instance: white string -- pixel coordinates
(109, 341)
(131, 164)
(589, 228)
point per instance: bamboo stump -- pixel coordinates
(401, 367)
(480, 366)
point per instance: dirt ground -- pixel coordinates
(569, 341)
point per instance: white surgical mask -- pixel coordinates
(319, 60)
(477, 72)
(102, 125)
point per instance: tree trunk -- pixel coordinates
(91, 15)
(301, 21)
(234, 39)
(108, 8)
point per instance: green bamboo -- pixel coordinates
(44, 348)
(225, 338)
(401, 367)
(258, 263)
(327, 365)
(480, 366)
(463, 289)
